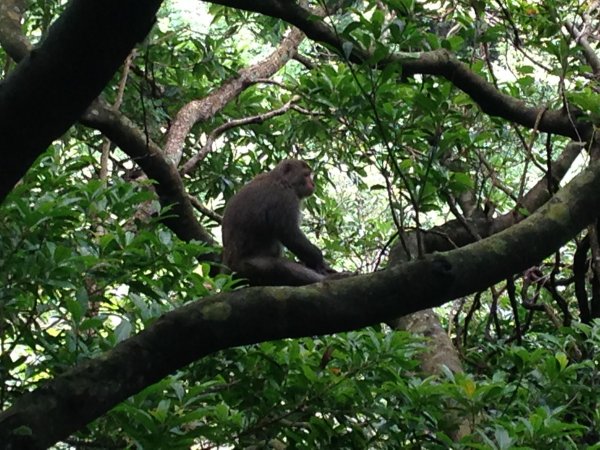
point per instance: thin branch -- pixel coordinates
(451, 201)
(214, 135)
(589, 53)
(494, 177)
(116, 106)
(305, 61)
(205, 211)
(510, 288)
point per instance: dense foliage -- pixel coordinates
(88, 258)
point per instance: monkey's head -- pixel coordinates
(297, 175)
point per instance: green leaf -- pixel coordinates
(123, 330)
(347, 47)
(562, 359)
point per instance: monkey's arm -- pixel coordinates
(297, 242)
(284, 219)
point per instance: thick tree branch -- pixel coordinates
(453, 234)
(121, 131)
(246, 316)
(82, 51)
(12, 39)
(202, 109)
(437, 62)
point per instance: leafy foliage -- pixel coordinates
(82, 269)
(76, 279)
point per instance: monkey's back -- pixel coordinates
(250, 226)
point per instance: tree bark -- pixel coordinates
(81, 53)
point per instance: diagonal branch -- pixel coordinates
(214, 134)
(437, 62)
(205, 108)
(66, 403)
(202, 109)
(88, 42)
(171, 191)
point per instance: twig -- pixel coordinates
(213, 135)
(204, 210)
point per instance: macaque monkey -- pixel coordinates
(263, 217)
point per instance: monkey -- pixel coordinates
(263, 217)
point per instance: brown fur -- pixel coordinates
(262, 218)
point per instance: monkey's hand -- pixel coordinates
(332, 274)
(339, 275)
(324, 269)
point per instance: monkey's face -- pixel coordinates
(303, 182)
(298, 175)
(308, 185)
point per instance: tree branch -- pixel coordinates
(589, 53)
(214, 134)
(82, 51)
(437, 62)
(132, 140)
(202, 109)
(66, 403)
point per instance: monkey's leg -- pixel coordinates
(276, 271)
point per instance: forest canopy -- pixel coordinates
(455, 157)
